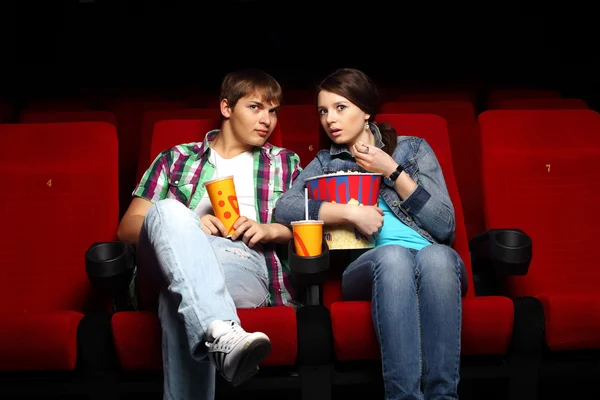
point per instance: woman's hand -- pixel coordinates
(373, 159)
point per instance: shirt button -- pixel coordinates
(177, 182)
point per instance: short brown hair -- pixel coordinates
(244, 82)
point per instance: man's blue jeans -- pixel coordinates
(205, 279)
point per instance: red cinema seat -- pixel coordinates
(63, 197)
(7, 112)
(137, 334)
(299, 126)
(129, 114)
(457, 95)
(460, 121)
(30, 117)
(59, 105)
(150, 118)
(541, 104)
(487, 325)
(552, 168)
(496, 95)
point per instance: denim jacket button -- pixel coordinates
(409, 218)
(395, 203)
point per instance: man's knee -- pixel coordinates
(166, 210)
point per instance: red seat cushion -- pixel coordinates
(572, 321)
(486, 327)
(39, 342)
(138, 338)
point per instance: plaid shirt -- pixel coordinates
(179, 173)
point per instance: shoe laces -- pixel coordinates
(229, 340)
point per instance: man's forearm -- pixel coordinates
(280, 233)
(129, 230)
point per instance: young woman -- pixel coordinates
(412, 276)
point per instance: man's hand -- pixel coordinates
(252, 232)
(211, 225)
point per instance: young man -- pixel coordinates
(206, 275)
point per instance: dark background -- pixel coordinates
(83, 48)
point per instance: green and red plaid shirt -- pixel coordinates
(179, 173)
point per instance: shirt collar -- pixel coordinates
(211, 135)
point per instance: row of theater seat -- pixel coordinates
(299, 129)
(537, 168)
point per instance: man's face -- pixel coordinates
(252, 120)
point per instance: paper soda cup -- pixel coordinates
(223, 198)
(308, 237)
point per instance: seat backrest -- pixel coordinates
(129, 114)
(457, 95)
(538, 168)
(497, 95)
(7, 112)
(61, 196)
(460, 120)
(149, 120)
(299, 125)
(206, 119)
(59, 105)
(433, 129)
(541, 104)
(299, 97)
(169, 133)
(29, 117)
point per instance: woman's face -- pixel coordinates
(341, 119)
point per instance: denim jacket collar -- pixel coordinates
(337, 149)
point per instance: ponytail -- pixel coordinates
(388, 136)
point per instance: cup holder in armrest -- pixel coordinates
(308, 271)
(109, 267)
(508, 250)
(109, 259)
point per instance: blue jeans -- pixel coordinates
(417, 314)
(205, 278)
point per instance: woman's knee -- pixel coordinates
(394, 260)
(441, 263)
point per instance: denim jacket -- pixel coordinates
(428, 209)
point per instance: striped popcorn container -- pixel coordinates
(346, 188)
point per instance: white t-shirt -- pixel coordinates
(242, 169)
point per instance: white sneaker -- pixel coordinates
(237, 353)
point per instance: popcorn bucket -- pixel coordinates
(346, 188)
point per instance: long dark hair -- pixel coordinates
(357, 87)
